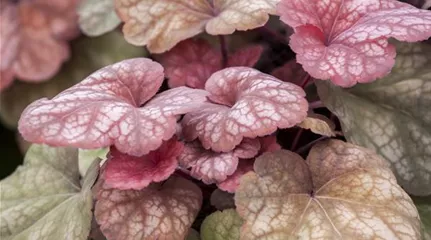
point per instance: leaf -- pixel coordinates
(150, 22)
(212, 167)
(193, 61)
(29, 27)
(346, 41)
(88, 55)
(341, 191)
(245, 103)
(231, 183)
(193, 235)
(318, 124)
(97, 17)
(107, 108)
(290, 72)
(222, 200)
(161, 211)
(87, 157)
(128, 172)
(424, 209)
(391, 116)
(43, 199)
(223, 225)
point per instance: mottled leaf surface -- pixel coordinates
(113, 106)
(392, 116)
(88, 55)
(341, 191)
(151, 22)
(232, 182)
(43, 198)
(163, 211)
(125, 172)
(346, 40)
(97, 17)
(244, 103)
(318, 124)
(221, 225)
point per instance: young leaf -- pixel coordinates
(87, 157)
(88, 55)
(212, 167)
(128, 172)
(43, 199)
(193, 61)
(160, 211)
(341, 191)
(28, 27)
(319, 124)
(392, 116)
(105, 109)
(97, 17)
(149, 22)
(223, 225)
(245, 103)
(346, 41)
(222, 200)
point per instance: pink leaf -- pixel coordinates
(246, 103)
(269, 144)
(190, 63)
(232, 182)
(29, 27)
(346, 41)
(104, 109)
(128, 172)
(212, 167)
(161, 211)
(247, 56)
(193, 61)
(290, 72)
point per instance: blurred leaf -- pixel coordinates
(97, 17)
(43, 198)
(88, 55)
(423, 204)
(221, 226)
(87, 156)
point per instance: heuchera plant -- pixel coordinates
(205, 139)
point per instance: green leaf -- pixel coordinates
(193, 235)
(87, 156)
(97, 17)
(392, 115)
(88, 55)
(221, 226)
(43, 198)
(423, 204)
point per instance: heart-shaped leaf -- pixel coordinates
(88, 55)
(341, 191)
(97, 17)
(346, 41)
(123, 171)
(193, 61)
(163, 211)
(245, 103)
(149, 22)
(113, 106)
(44, 200)
(223, 225)
(392, 116)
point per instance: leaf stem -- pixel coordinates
(296, 139)
(304, 83)
(310, 144)
(223, 48)
(316, 104)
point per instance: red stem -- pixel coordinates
(223, 48)
(296, 139)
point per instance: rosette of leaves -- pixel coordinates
(88, 55)
(45, 199)
(392, 116)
